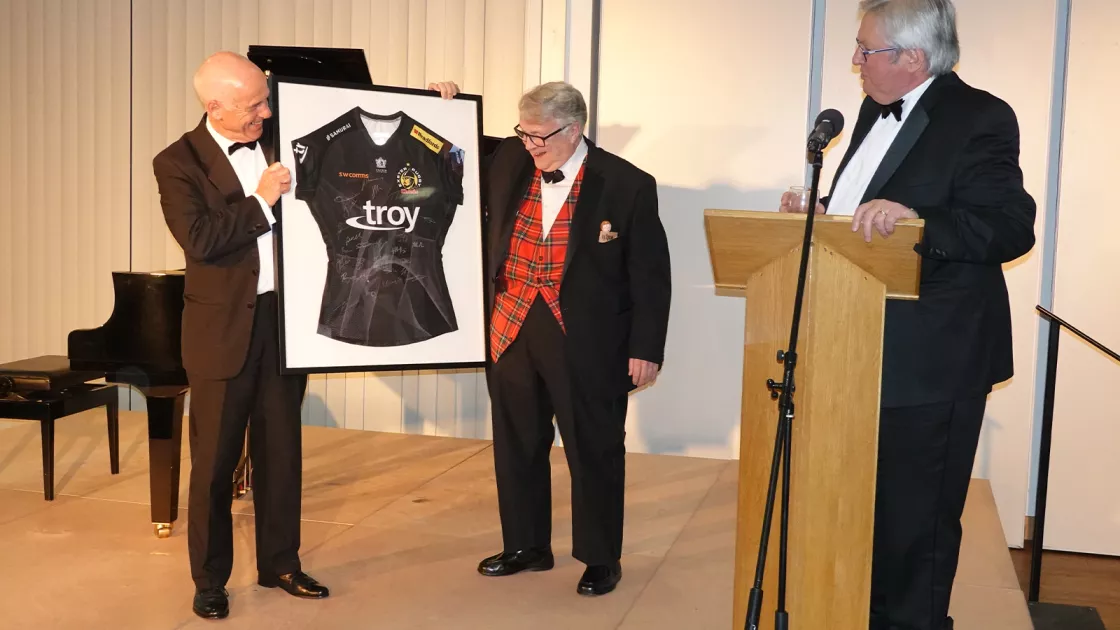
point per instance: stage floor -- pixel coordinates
(395, 525)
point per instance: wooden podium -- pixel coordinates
(836, 401)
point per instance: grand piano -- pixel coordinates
(139, 345)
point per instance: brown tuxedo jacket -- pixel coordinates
(217, 225)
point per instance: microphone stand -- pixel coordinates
(784, 437)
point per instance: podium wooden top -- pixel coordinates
(741, 242)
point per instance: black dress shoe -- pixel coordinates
(211, 603)
(299, 584)
(508, 563)
(599, 579)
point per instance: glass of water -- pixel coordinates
(800, 198)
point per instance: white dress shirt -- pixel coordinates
(861, 168)
(248, 165)
(553, 196)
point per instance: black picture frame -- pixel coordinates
(473, 167)
(312, 62)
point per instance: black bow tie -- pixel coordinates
(893, 108)
(552, 177)
(252, 146)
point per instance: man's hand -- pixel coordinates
(789, 198)
(642, 372)
(275, 181)
(446, 89)
(881, 215)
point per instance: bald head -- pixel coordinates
(234, 92)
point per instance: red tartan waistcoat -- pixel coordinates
(533, 266)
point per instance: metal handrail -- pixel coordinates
(1099, 346)
(1056, 324)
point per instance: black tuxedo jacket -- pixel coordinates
(217, 225)
(614, 296)
(955, 162)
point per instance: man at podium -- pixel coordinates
(926, 145)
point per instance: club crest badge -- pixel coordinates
(409, 180)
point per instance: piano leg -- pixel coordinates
(243, 476)
(165, 433)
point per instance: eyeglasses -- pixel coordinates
(867, 52)
(536, 140)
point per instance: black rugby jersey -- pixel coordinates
(384, 212)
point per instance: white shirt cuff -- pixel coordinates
(267, 210)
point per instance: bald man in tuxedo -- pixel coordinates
(218, 192)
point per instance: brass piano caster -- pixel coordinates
(163, 530)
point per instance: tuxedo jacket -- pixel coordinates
(955, 162)
(217, 225)
(614, 296)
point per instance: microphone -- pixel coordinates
(829, 124)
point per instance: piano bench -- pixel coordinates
(46, 389)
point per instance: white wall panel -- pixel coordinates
(554, 52)
(1083, 510)
(994, 59)
(578, 39)
(714, 109)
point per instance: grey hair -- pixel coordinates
(926, 25)
(557, 101)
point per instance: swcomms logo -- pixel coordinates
(386, 218)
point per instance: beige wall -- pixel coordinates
(64, 197)
(479, 44)
(1083, 510)
(997, 61)
(716, 109)
(83, 86)
(476, 43)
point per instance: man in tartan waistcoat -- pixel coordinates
(578, 294)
